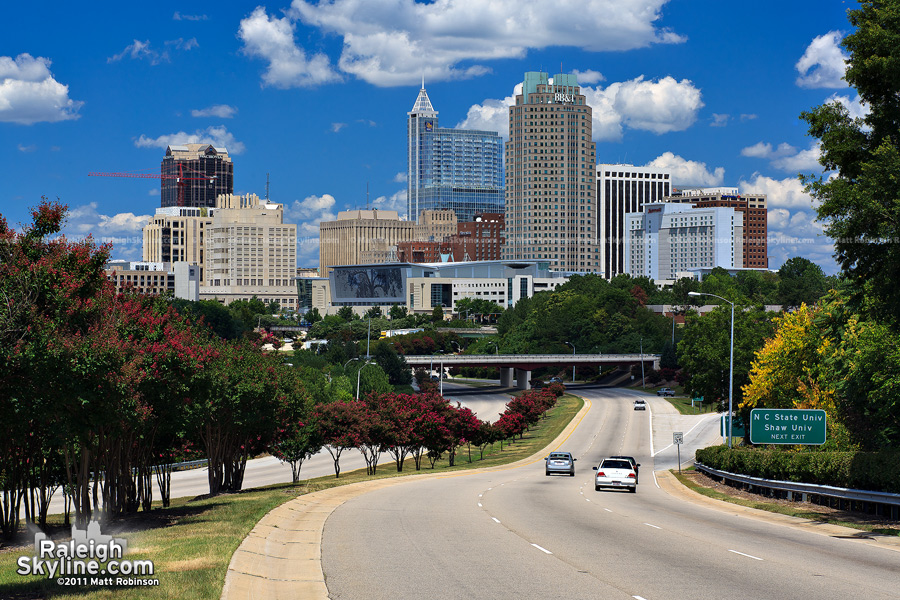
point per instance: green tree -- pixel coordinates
(800, 281)
(345, 313)
(392, 363)
(312, 316)
(437, 314)
(398, 311)
(859, 200)
(704, 350)
(374, 313)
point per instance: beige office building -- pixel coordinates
(250, 251)
(551, 209)
(176, 234)
(371, 236)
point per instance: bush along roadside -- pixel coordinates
(870, 471)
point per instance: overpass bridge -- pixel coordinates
(521, 365)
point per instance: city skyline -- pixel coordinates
(310, 96)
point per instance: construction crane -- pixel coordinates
(180, 179)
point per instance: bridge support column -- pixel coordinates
(523, 379)
(506, 377)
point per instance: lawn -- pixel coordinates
(192, 541)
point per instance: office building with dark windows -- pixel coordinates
(623, 189)
(194, 175)
(551, 208)
(451, 169)
(753, 207)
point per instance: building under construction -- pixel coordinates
(194, 175)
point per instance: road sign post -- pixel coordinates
(678, 439)
(787, 426)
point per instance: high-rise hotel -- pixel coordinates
(551, 207)
(451, 169)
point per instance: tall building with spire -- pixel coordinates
(551, 208)
(455, 169)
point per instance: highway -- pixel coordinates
(517, 533)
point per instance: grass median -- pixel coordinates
(192, 541)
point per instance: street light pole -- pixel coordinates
(731, 361)
(573, 360)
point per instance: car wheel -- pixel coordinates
(597, 488)
(634, 489)
(572, 474)
(547, 473)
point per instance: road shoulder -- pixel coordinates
(670, 484)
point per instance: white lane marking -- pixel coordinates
(607, 510)
(544, 550)
(479, 505)
(588, 499)
(480, 495)
(650, 424)
(654, 479)
(639, 598)
(653, 526)
(698, 423)
(496, 520)
(747, 555)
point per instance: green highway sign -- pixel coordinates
(737, 430)
(787, 426)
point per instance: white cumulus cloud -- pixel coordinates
(307, 214)
(272, 39)
(855, 107)
(396, 201)
(122, 230)
(217, 136)
(823, 64)
(589, 76)
(786, 157)
(688, 172)
(222, 111)
(719, 120)
(659, 106)
(395, 42)
(781, 193)
(29, 93)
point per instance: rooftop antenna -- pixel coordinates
(267, 187)
(423, 80)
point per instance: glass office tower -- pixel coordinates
(455, 169)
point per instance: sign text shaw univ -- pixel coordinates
(787, 426)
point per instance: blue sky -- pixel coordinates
(316, 95)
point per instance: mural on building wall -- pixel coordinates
(368, 282)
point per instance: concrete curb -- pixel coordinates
(670, 484)
(281, 557)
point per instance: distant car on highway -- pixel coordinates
(560, 462)
(634, 465)
(665, 392)
(640, 405)
(615, 473)
(556, 380)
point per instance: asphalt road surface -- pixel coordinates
(518, 533)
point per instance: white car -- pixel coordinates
(615, 473)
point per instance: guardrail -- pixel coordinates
(191, 464)
(878, 503)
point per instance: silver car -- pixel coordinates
(615, 473)
(560, 462)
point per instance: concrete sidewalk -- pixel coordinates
(281, 558)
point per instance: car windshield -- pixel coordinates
(559, 457)
(616, 464)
